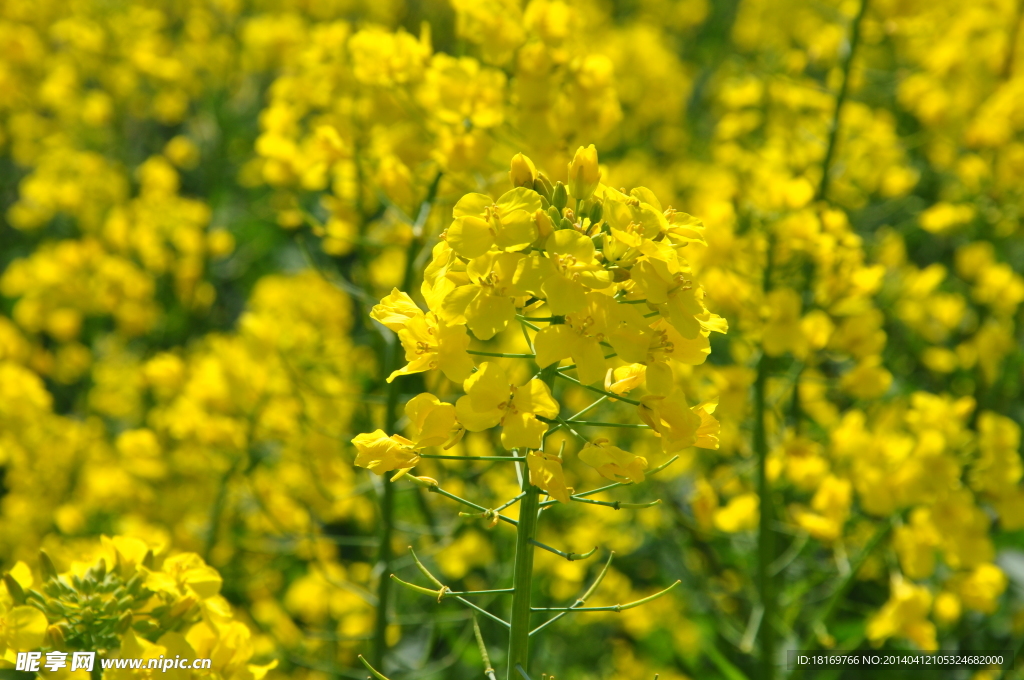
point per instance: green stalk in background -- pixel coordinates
(392, 360)
(765, 534)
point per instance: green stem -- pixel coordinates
(610, 608)
(833, 134)
(500, 355)
(592, 423)
(765, 535)
(387, 500)
(507, 459)
(448, 494)
(488, 669)
(610, 395)
(373, 671)
(522, 574)
(522, 579)
(616, 485)
(387, 518)
(832, 605)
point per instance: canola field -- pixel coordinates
(511, 339)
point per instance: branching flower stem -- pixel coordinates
(610, 395)
(448, 494)
(500, 355)
(571, 556)
(609, 487)
(581, 600)
(610, 608)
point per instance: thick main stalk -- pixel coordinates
(522, 579)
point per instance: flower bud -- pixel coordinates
(584, 175)
(523, 171)
(542, 185)
(124, 623)
(544, 226)
(559, 197)
(55, 636)
(46, 567)
(14, 589)
(597, 212)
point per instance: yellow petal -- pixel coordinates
(453, 307)
(531, 273)
(552, 344)
(546, 474)
(522, 431)
(535, 397)
(452, 359)
(380, 453)
(625, 378)
(516, 230)
(591, 366)
(431, 421)
(474, 420)
(489, 387)
(564, 296)
(470, 236)
(24, 628)
(520, 198)
(654, 285)
(614, 463)
(472, 204)
(566, 242)
(659, 378)
(672, 419)
(395, 310)
(488, 315)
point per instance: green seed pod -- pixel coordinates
(560, 196)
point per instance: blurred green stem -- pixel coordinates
(765, 534)
(392, 359)
(387, 517)
(844, 88)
